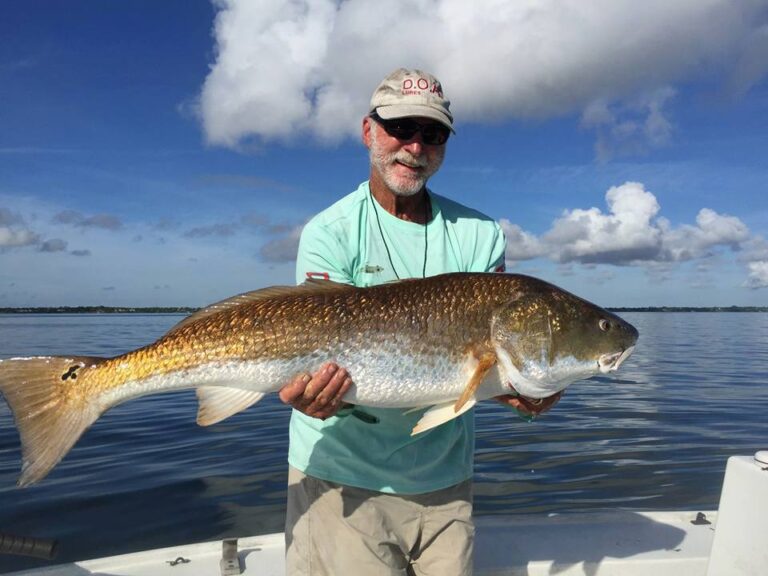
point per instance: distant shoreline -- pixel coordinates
(190, 310)
(100, 310)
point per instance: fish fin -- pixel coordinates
(440, 414)
(415, 409)
(312, 286)
(485, 361)
(217, 403)
(315, 284)
(48, 417)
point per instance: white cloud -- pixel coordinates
(625, 235)
(520, 244)
(755, 256)
(267, 68)
(632, 233)
(758, 275)
(14, 232)
(287, 68)
(711, 230)
(15, 237)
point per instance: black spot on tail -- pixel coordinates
(71, 372)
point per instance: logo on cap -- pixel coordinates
(420, 85)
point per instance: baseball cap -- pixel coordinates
(411, 93)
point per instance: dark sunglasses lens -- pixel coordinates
(434, 134)
(405, 129)
(401, 129)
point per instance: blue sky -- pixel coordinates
(168, 153)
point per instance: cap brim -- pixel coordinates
(414, 110)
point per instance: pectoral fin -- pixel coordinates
(217, 403)
(485, 361)
(441, 413)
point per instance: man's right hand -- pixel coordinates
(319, 394)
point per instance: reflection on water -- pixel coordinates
(654, 436)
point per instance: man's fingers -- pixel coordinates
(540, 406)
(530, 407)
(319, 382)
(330, 391)
(295, 389)
(319, 395)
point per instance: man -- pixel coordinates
(364, 497)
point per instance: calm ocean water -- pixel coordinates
(654, 436)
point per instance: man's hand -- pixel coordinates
(529, 408)
(319, 394)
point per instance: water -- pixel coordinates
(654, 436)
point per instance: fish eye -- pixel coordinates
(604, 324)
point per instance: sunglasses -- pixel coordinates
(432, 134)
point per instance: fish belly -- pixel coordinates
(381, 377)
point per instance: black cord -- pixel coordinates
(427, 218)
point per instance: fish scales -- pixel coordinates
(447, 341)
(424, 319)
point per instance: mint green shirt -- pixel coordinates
(344, 244)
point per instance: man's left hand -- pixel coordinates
(529, 408)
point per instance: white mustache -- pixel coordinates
(409, 160)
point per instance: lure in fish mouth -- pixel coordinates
(611, 362)
(443, 343)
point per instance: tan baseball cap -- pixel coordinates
(411, 93)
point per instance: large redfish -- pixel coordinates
(444, 342)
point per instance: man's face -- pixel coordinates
(403, 165)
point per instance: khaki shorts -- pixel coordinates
(337, 530)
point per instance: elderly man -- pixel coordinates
(364, 497)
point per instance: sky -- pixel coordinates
(169, 153)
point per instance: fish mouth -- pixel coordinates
(611, 362)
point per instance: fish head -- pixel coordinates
(547, 339)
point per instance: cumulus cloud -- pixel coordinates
(15, 237)
(711, 230)
(758, 275)
(755, 256)
(14, 232)
(520, 244)
(287, 68)
(624, 235)
(631, 232)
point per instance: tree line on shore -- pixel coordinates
(189, 310)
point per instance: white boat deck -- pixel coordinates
(614, 543)
(731, 542)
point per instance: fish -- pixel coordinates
(440, 344)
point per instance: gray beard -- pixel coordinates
(383, 162)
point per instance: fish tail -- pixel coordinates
(40, 392)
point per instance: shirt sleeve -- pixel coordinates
(321, 255)
(498, 261)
